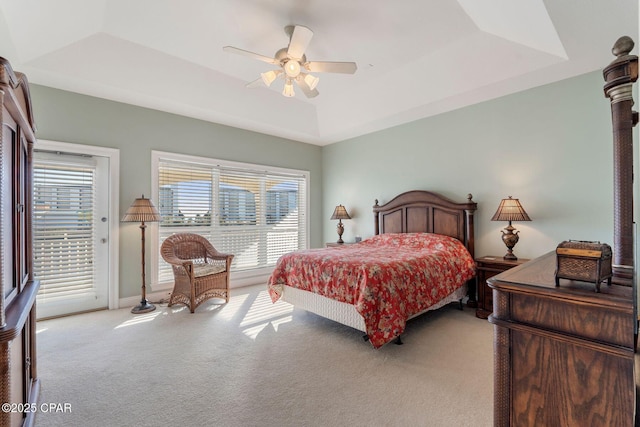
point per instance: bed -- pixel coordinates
(420, 259)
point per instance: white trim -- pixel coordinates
(113, 154)
(152, 297)
(257, 276)
(208, 161)
(237, 279)
(163, 295)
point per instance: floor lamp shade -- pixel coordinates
(142, 210)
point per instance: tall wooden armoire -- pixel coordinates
(19, 381)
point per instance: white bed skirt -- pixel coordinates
(346, 313)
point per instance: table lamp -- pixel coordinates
(510, 210)
(340, 213)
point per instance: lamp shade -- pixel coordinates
(510, 210)
(311, 81)
(269, 76)
(340, 213)
(141, 210)
(288, 89)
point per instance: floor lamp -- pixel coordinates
(142, 210)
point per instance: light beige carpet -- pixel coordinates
(254, 363)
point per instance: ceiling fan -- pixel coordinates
(293, 64)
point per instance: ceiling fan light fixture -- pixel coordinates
(288, 89)
(269, 77)
(293, 64)
(292, 68)
(311, 81)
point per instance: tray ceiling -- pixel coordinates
(415, 58)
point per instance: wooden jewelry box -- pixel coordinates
(584, 261)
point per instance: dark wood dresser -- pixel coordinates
(19, 382)
(563, 356)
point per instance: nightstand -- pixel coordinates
(487, 267)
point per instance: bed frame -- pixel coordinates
(410, 212)
(427, 212)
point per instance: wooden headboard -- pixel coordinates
(427, 212)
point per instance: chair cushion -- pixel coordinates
(200, 270)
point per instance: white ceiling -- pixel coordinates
(415, 58)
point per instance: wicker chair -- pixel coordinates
(199, 270)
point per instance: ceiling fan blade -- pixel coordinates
(331, 67)
(300, 39)
(253, 55)
(306, 89)
(255, 83)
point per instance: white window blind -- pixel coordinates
(63, 232)
(256, 214)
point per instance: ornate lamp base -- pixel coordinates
(510, 239)
(340, 230)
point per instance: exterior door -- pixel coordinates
(71, 232)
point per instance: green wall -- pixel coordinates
(70, 117)
(550, 146)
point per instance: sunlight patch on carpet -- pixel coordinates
(264, 312)
(233, 306)
(140, 318)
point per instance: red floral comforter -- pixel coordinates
(389, 277)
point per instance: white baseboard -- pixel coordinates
(164, 293)
(239, 281)
(151, 297)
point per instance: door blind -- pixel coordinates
(63, 228)
(257, 215)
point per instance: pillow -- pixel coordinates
(200, 270)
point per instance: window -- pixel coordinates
(257, 213)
